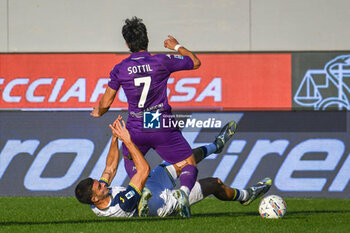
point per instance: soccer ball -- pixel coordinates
(272, 206)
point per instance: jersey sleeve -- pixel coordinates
(177, 62)
(128, 200)
(113, 79)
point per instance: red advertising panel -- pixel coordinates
(77, 81)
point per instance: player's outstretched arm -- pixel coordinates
(173, 44)
(142, 167)
(112, 160)
(105, 103)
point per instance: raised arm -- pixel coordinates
(112, 160)
(105, 103)
(142, 167)
(173, 44)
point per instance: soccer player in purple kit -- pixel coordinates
(144, 79)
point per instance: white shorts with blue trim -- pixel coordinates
(161, 184)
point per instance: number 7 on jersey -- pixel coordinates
(147, 83)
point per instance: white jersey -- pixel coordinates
(162, 203)
(113, 209)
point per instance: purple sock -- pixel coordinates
(129, 167)
(188, 176)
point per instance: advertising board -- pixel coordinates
(305, 153)
(77, 81)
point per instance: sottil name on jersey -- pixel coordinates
(139, 69)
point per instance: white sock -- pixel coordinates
(244, 194)
(172, 171)
(186, 190)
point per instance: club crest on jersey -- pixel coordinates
(175, 56)
(130, 194)
(179, 57)
(151, 120)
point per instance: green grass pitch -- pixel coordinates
(65, 214)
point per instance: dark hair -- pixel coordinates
(83, 191)
(135, 34)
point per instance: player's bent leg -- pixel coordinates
(217, 146)
(258, 190)
(225, 134)
(221, 191)
(143, 209)
(188, 183)
(214, 186)
(188, 177)
(174, 149)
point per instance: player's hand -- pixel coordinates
(170, 43)
(119, 130)
(94, 112)
(114, 132)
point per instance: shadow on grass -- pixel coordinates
(150, 219)
(255, 213)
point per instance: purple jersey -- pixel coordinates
(144, 79)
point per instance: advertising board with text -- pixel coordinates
(77, 81)
(305, 153)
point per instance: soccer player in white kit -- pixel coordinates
(158, 197)
(116, 201)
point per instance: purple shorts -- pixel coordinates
(170, 145)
